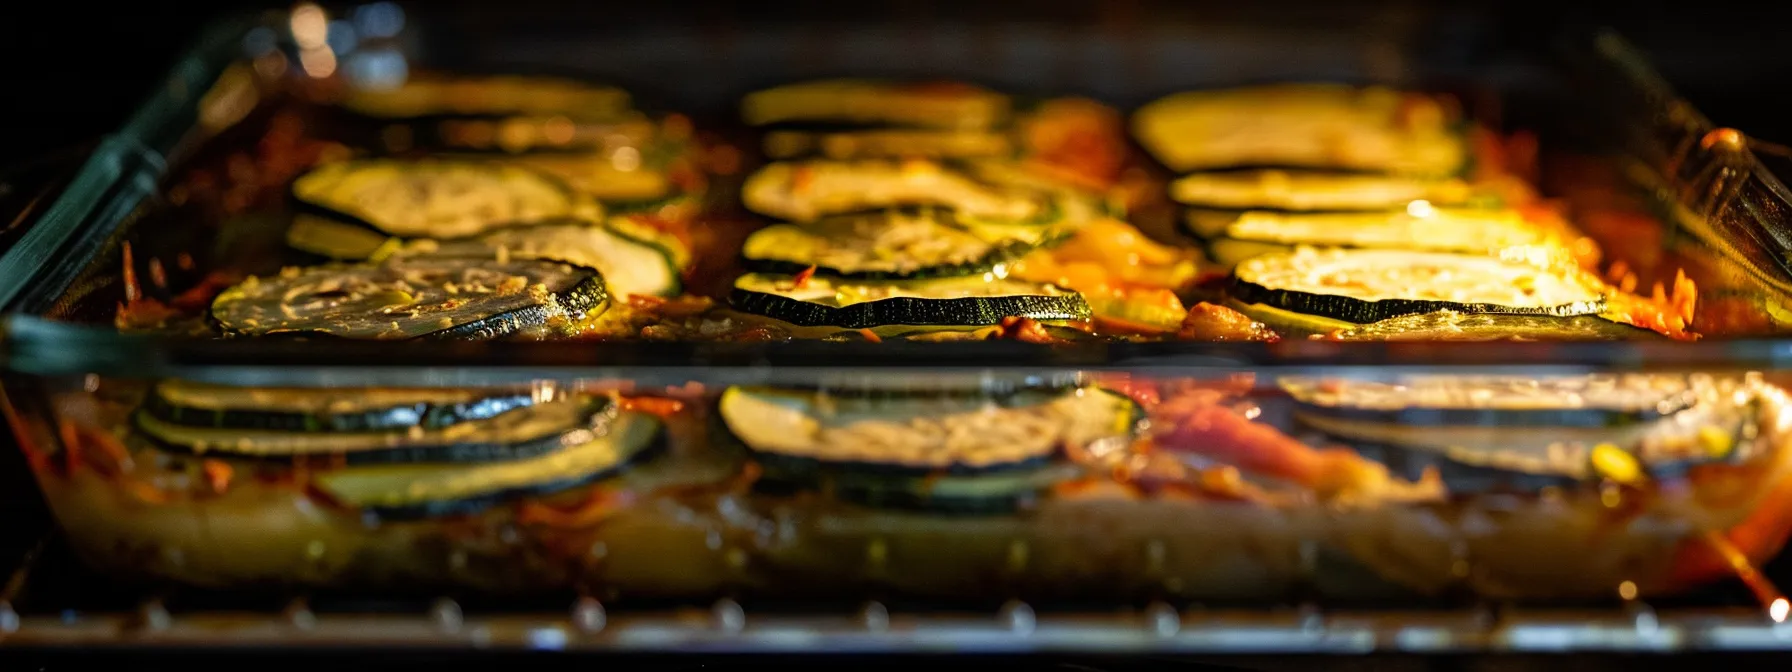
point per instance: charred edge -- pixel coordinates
(425, 415)
(964, 312)
(597, 421)
(1367, 312)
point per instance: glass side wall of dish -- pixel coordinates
(1104, 487)
(436, 206)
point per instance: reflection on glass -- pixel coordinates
(310, 27)
(341, 38)
(319, 62)
(259, 41)
(380, 19)
(377, 69)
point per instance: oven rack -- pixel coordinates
(45, 605)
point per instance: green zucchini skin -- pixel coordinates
(402, 417)
(1584, 300)
(655, 445)
(583, 293)
(600, 246)
(597, 416)
(968, 311)
(1367, 312)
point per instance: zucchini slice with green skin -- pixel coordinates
(411, 297)
(633, 259)
(431, 198)
(1365, 286)
(865, 102)
(1599, 401)
(425, 490)
(489, 96)
(889, 246)
(180, 402)
(1446, 325)
(966, 301)
(1307, 126)
(938, 450)
(521, 433)
(1453, 326)
(804, 191)
(1320, 191)
(1486, 456)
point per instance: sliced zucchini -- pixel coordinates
(423, 490)
(411, 297)
(888, 143)
(1231, 252)
(180, 402)
(1365, 286)
(935, 450)
(889, 245)
(1309, 126)
(868, 102)
(967, 301)
(810, 190)
(431, 198)
(1434, 230)
(1449, 325)
(924, 432)
(633, 260)
(616, 176)
(1317, 191)
(500, 95)
(1489, 454)
(520, 433)
(1600, 401)
(1075, 205)
(340, 240)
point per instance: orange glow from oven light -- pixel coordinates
(310, 27)
(319, 63)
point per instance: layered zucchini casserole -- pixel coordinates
(871, 211)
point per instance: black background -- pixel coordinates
(72, 70)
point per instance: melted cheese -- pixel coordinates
(1376, 275)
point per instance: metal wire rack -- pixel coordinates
(50, 602)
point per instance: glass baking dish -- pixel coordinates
(1278, 482)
